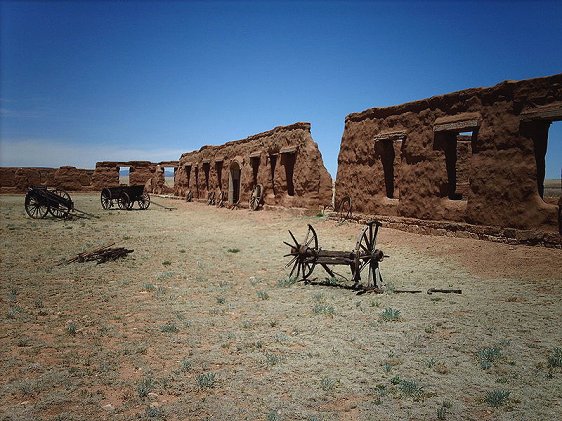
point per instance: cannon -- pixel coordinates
(363, 260)
(125, 197)
(41, 200)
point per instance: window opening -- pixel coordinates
(388, 147)
(124, 174)
(547, 158)
(169, 176)
(458, 147)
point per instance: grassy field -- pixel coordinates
(201, 322)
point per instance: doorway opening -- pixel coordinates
(188, 174)
(206, 171)
(255, 163)
(272, 164)
(234, 183)
(218, 169)
(197, 182)
(288, 161)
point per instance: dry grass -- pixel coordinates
(183, 329)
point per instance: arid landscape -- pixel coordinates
(202, 322)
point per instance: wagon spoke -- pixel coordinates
(294, 239)
(292, 261)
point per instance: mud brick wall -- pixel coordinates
(498, 168)
(17, 180)
(285, 161)
(106, 173)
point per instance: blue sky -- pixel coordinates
(88, 81)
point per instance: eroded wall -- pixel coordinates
(17, 180)
(496, 165)
(285, 161)
(106, 173)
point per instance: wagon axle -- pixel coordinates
(363, 260)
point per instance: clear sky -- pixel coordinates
(89, 81)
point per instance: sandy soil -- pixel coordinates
(201, 322)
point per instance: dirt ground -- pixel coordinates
(201, 322)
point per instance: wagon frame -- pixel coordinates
(124, 197)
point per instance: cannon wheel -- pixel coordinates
(301, 260)
(59, 209)
(144, 201)
(366, 255)
(34, 207)
(189, 196)
(105, 199)
(345, 209)
(124, 202)
(256, 197)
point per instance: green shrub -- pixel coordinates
(497, 398)
(390, 314)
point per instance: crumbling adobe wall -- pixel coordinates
(106, 173)
(507, 122)
(17, 180)
(285, 160)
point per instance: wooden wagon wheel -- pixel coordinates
(105, 199)
(368, 256)
(62, 207)
(189, 196)
(221, 199)
(144, 201)
(124, 201)
(345, 209)
(256, 197)
(35, 207)
(211, 198)
(327, 208)
(303, 255)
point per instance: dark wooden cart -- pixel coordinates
(363, 260)
(125, 197)
(42, 200)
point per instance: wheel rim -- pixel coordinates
(123, 201)
(34, 207)
(364, 254)
(60, 209)
(105, 199)
(303, 255)
(144, 201)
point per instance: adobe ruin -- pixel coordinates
(106, 174)
(17, 180)
(285, 161)
(473, 156)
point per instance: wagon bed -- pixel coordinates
(125, 197)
